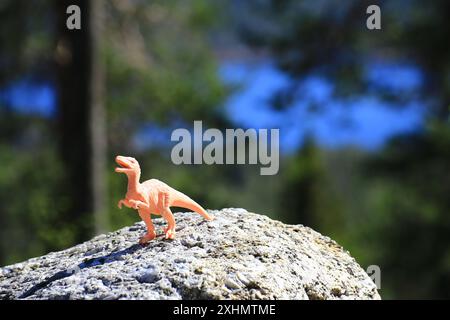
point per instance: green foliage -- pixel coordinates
(412, 212)
(168, 73)
(160, 68)
(32, 206)
(25, 41)
(389, 207)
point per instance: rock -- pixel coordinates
(239, 255)
(149, 275)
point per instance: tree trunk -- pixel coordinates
(81, 117)
(98, 119)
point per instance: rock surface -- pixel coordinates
(239, 255)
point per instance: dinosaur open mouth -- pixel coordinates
(122, 165)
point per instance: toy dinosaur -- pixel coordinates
(153, 197)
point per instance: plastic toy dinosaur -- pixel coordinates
(153, 197)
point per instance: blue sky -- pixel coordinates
(28, 97)
(364, 121)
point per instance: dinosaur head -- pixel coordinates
(127, 165)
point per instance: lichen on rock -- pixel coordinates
(239, 255)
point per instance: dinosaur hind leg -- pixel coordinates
(170, 230)
(167, 215)
(151, 234)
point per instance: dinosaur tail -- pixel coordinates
(188, 203)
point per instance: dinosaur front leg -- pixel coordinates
(120, 203)
(151, 234)
(126, 203)
(132, 204)
(136, 204)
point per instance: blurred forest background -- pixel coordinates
(363, 117)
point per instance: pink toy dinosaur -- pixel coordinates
(153, 197)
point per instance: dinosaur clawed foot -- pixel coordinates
(148, 237)
(170, 233)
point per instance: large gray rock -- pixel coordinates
(239, 255)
